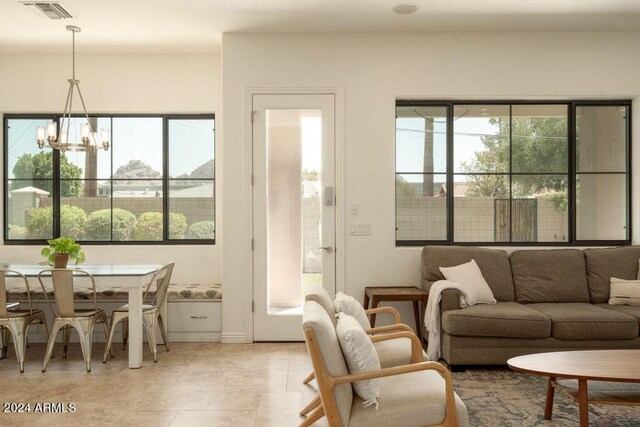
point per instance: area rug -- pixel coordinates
(501, 397)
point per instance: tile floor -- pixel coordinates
(194, 384)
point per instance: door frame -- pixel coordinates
(249, 281)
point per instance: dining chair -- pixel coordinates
(67, 316)
(17, 321)
(152, 316)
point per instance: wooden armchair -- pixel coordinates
(415, 394)
(391, 353)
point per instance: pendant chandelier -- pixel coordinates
(58, 138)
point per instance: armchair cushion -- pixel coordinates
(349, 305)
(360, 355)
(414, 399)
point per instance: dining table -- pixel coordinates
(133, 277)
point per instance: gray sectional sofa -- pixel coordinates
(548, 300)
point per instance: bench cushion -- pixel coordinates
(581, 321)
(199, 291)
(556, 275)
(177, 292)
(604, 263)
(504, 319)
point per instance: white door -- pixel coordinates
(293, 208)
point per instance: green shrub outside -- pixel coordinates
(40, 223)
(177, 226)
(17, 232)
(148, 226)
(201, 230)
(99, 225)
(72, 223)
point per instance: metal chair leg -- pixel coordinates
(85, 330)
(125, 333)
(17, 330)
(163, 331)
(66, 335)
(55, 328)
(149, 325)
(2, 352)
(115, 319)
(43, 320)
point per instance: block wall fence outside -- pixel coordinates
(425, 218)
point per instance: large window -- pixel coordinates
(512, 173)
(155, 184)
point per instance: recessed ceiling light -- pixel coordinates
(405, 8)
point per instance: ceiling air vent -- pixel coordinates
(48, 9)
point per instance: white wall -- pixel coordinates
(122, 83)
(374, 70)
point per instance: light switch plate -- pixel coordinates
(355, 208)
(360, 229)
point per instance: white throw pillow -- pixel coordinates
(360, 355)
(349, 305)
(624, 292)
(469, 276)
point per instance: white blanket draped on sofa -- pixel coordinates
(432, 315)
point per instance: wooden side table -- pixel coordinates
(377, 294)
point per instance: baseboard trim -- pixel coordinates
(232, 338)
(194, 337)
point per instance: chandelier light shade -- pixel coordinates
(58, 138)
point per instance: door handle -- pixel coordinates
(328, 249)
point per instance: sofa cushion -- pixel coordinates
(581, 321)
(504, 319)
(603, 263)
(626, 309)
(493, 263)
(556, 275)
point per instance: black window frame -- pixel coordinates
(56, 179)
(571, 170)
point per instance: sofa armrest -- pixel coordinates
(450, 300)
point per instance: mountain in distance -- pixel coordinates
(136, 169)
(205, 170)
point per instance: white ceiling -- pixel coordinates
(196, 25)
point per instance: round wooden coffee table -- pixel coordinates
(598, 365)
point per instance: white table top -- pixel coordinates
(32, 270)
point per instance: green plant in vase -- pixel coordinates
(60, 251)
